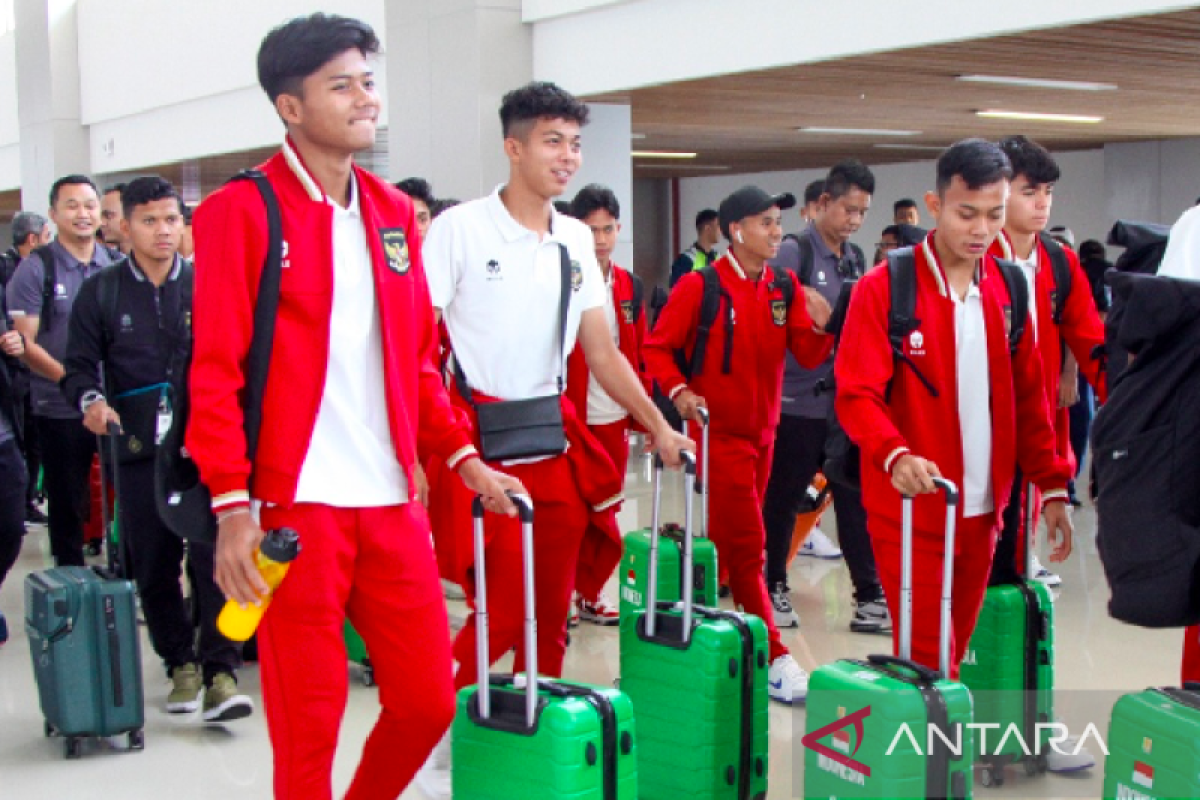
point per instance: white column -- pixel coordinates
(53, 140)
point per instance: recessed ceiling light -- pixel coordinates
(637, 136)
(660, 154)
(858, 131)
(690, 167)
(1039, 83)
(898, 146)
(1035, 116)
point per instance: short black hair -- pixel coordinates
(417, 189)
(1092, 249)
(300, 47)
(904, 202)
(563, 207)
(813, 192)
(26, 224)
(1030, 159)
(704, 217)
(595, 197)
(147, 189)
(977, 161)
(438, 206)
(846, 175)
(114, 187)
(70, 180)
(540, 100)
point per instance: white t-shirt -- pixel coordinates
(498, 288)
(351, 460)
(974, 401)
(602, 409)
(1029, 268)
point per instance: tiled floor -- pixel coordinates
(186, 760)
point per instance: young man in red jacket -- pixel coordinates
(352, 398)
(596, 207)
(740, 381)
(1066, 329)
(986, 412)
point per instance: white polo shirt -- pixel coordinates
(602, 409)
(974, 401)
(498, 286)
(351, 460)
(1029, 268)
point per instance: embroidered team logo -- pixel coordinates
(126, 323)
(821, 278)
(187, 320)
(779, 312)
(576, 276)
(627, 311)
(395, 247)
(493, 267)
(916, 341)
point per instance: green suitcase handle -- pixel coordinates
(924, 673)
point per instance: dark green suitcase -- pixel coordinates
(1009, 668)
(633, 575)
(697, 677)
(553, 740)
(858, 711)
(1154, 745)
(356, 651)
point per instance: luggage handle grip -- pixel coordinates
(950, 490)
(923, 672)
(525, 512)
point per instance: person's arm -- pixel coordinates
(81, 365)
(37, 357)
(1083, 330)
(24, 300)
(676, 330)
(810, 347)
(1068, 381)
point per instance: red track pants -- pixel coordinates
(614, 439)
(976, 540)
(376, 566)
(735, 523)
(560, 518)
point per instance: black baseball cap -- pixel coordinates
(750, 201)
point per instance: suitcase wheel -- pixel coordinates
(992, 776)
(73, 747)
(1031, 767)
(1042, 765)
(137, 740)
(368, 676)
(92, 548)
(48, 729)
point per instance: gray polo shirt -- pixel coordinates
(799, 397)
(25, 299)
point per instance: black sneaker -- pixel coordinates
(781, 605)
(871, 617)
(34, 515)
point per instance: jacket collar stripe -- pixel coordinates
(301, 172)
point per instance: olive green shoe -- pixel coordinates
(223, 702)
(187, 684)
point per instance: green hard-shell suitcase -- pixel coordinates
(1009, 668)
(1154, 745)
(633, 575)
(356, 651)
(697, 677)
(553, 740)
(889, 727)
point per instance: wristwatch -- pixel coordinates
(90, 397)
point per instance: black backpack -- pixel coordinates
(808, 257)
(842, 457)
(1145, 245)
(1146, 457)
(1062, 276)
(712, 300)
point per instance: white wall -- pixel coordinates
(10, 128)
(1080, 201)
(1152, 181)
(163, 82)
(606, 160)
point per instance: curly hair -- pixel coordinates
(540, 100)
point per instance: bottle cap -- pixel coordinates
(281, 545)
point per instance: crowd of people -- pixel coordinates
(407, 326)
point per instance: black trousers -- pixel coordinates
(1005, 569)
(12, 505)
(799, 452)
(32, 450)
(67, 451)
(157, 566)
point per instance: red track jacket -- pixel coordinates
(1081, 329)
(632, 336)
(231, 245)
(745, 403)
(928, 426)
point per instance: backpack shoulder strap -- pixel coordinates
(902, 272)
(861, 258)
(639, 295)
(108, 291)
(807, 258)
(781, 279)
(1062, 275)
(1018, 293)
(710, 307)
(49, 284)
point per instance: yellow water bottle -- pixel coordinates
(273, 558)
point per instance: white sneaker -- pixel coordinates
(1043, 575)
(786, 681)
(781, 604)
(433, 778)
(818, 545)
(1068, 760)
(452, 591)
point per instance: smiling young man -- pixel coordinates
(142, 340)
(596, 207)
(353, 398)
(67, 447)
(1066, 327)
(988, 415)
(496, 275)
(764, 316)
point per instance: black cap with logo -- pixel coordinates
(750, 201)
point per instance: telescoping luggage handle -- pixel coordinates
(116, 569)
(525, 512)
(703, 417)
(689, 491)
(906, 588)
(1030, 521)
